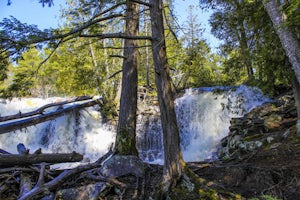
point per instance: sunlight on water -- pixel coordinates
(82, 132)
(203, 117)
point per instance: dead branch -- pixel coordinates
(114, 74)
(110, 180)
(41, 190)
(25, 184)
(29, 159)
(116, 35)
(41, 179)
(42, 109)
(4, 152)
(12, 126)
(117, 56)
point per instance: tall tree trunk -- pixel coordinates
(243, 41)
(125, 141)
(245, 51)
(288, 40)
(173, 161)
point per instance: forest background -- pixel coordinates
(250, 53)
(100, 39)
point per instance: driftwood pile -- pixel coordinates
(28, 175)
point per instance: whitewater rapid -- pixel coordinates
(203, 116)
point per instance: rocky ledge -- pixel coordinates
(260, 157)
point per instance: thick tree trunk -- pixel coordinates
(288, 40)
(125, 142)
(173, 161)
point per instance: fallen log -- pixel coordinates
(23, 123)
(25, 183)
(41, 110)
(29, 159)
(41, 190)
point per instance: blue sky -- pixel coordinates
(32, 12)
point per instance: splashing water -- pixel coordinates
(203, 118)
(81, 131)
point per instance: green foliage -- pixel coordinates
(250, 42)
(17, 37)
(291, 8)
(72, 70)
(3, 67)
(191, 60)
(23, 80)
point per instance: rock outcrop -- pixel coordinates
(261, 154)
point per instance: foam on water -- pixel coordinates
(203, 117)
(82, 132)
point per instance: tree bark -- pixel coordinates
(28, 159)
(288, 40)
(173, 161)
(125, 141)
(25, 183)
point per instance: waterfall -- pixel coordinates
(82, 131)
(203, 116)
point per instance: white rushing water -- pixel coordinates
(81, 132)
(203, 117)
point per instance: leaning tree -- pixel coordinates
(289, 42)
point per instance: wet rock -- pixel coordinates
(129, 164)
(263, 125)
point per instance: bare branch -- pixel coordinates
(52, 52)
(117, 56)
(72, 32)
(114, 74)
(168, 22)
(110, 9)
(112, 47)
(116, 35)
